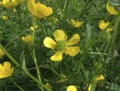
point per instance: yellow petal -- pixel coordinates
(60, 35)
(1, 71)
(31, 6)
(103, 25)
(8, 70)
(72, 51)
(71, 88)
(49, 42)
(109, 29)
(43, 11)
(57, 56)
(100, 77)
(7, 65)
(90, 87)
(111, 10)
(76, 24)
(73, 40)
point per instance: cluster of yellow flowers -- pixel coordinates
(103, 25)
(10, 3)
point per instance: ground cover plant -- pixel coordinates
(59, 45)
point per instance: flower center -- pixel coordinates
(61, 45)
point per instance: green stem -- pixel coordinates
(18, 65)
(17, 85)
(37, 68)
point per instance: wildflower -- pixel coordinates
(76, 24)
(71, 88)
(103, 25)
(61, 45)
(9, 3)
(27, 39)
(110, 9)
(39, 10)
(1, 53)
(4, 17)
(6, 70)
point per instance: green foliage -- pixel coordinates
(99, 49)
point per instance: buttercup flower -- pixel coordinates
(1, 53)
(71, 88)
(10, 3)
(61, 45)
(39, 10)
(110, 9)
(76, 24)
(6, 70)
(103, 25)
(27, 39)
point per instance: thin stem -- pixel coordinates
(17, 85)
(37, 68)
(18, 65)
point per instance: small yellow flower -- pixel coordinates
(10, 3)
(39, 10)
(27, 39)
(6, 70)
(1, 53)
(33, 28)
(14, 10)
(61, 45)
(4, 17)
(71, 88)
(99, 78)
(76, 24)
(110, 9)
(103, 25)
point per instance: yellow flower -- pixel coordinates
(39, 10)
(76, 24)
(71, 88)
(27, 39)
(99, 78)
(110, 9)
(9, 3)
(6, 70)
(1, 53)
(61, 45)
(103, 25)
(4, 17)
